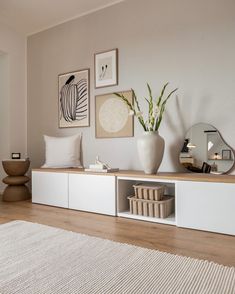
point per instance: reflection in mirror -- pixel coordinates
(204, 151)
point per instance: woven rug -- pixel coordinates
(40, 259)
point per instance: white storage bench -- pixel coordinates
(74, 189)
(202, 201)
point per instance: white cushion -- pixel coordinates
(62, 152)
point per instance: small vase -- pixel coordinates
(150, 150)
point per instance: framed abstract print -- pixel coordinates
(74, 100)
(106, 68)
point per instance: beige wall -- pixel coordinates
(189, 43)
(12, 94)
(4, 112)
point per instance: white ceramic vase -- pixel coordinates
(150, 150)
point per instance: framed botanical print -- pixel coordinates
(106, 68)
(73, 99)
(112, 116)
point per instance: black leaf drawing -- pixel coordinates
(103, 71)
(74, 100)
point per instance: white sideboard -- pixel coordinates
(206, 206)
(202, 201)
(94, 193)
(50, 188)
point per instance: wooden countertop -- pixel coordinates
(196, 177)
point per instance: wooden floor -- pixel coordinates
(215, 247)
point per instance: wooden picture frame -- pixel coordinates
(106, 68)
(74, 99)
(226, 154)
(112, 119)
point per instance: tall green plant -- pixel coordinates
(156, 108)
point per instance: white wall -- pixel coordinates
(12, 94)
(189, 43)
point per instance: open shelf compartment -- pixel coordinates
(125, 189)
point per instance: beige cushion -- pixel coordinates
(62, 152)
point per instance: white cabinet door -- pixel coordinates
(50, 188)
(206, 206)
(94, 193)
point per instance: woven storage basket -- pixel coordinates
(155, 192)
(152, 208)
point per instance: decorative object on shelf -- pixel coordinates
(74, 99)
(106, 68)
(206, 168)
(16, 180)
(112, 119)
(149, 192)
(151, 201)
(216, 156)
(150, 145)
(214, 167)
(150, 148)
(185, 148)
(101, 167)
(152, 208)
(226, 154)
(105, 170)
(99, 164)
(15, 155)
(210, 154)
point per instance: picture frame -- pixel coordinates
(106, 68)
(226, 154)
(112, 119)
(74, 99)
(15, 155)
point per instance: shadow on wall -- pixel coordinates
(179, 132)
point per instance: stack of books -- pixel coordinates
(100, 168)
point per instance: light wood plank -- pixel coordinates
(215, 247)
(197, 177)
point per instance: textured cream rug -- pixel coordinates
(40, 259)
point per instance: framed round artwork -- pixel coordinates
(112, 116)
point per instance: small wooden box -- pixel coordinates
(155, 192)
(161, 209)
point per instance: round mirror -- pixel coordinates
(204, 151)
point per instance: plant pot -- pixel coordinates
(150, 150)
